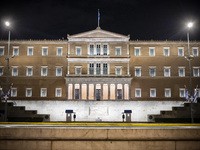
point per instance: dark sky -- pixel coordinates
(142, 19)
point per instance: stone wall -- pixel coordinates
(91, 110)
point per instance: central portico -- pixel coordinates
(98, 66)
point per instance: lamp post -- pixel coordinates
(189, 25)
(7, 25)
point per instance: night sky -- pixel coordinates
(142, 19)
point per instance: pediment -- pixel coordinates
(98, 34)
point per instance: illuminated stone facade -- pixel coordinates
(99, 65)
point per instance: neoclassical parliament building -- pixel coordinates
(99, 65)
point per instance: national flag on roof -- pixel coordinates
(98, 15)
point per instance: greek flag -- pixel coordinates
(195, 95)
(2, 94)
(98, 15)
(187, 95)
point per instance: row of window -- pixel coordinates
(166, 51)
(43, 92)
(29, 71)
(167, 71)
(93, 69)
(98, 69)
(30, 51)
(167, 92)
(98, 50)
(138, 92)
(101, 51)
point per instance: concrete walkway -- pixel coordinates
(99, 136)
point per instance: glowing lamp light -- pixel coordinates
(7, 23)
(190, 24)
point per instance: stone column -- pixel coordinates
(73, 88)
(101, 92)
(122, 91)
(95, 91)
(87, 96)
(66, 91)
(109, 91)
(115, 91)
(80, 91)
(129, 88)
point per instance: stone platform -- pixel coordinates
(100, 136)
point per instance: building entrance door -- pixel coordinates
(76, 93)
(119, 93)
(98, 94)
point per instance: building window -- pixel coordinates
(28, 92)
(1, 51)
(98, 69)
(44, 51)
(15, 71)
(76, 91)
(30, 51)
(78, 51)
(198, 92)
(196, 71)
(105, 49)
(118, 70)
(43, 92)
(152, 71)
(91, 68)
(91, 50)
(118, 51)
(181, 71)
(166, 51)
(137, 92)
(59, 51)
(182, 92)
(29, 71)
(105, 68)
(98, 49)
(153, 92)
(14, 92)
(167, 92)
(58, 71)
(119, 91)
(44, 71)
(1, 70)
(167, 72)
(138, 71)
(15, 51)
(78, 70)
(180, 51)
(58, 92)
(195, 51)
(137, 51)
(152, 51)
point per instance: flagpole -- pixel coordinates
(189, 59)
(7, 75)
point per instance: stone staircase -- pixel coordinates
(19, 114)
(178, 114)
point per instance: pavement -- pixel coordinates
(104, 125)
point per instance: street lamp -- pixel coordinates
(189, 25)
(7, 23)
